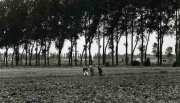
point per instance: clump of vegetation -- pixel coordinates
(163, 72)
(147, 62)
(136, 63)
(107, 64)
(174, 64)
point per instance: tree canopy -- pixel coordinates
(42, 21)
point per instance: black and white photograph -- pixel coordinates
(89, 51)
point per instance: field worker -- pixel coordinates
(100, 71)
(85, 71)
(91, 70)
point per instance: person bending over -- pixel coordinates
(85, 71)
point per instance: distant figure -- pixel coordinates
(91, 70)
(100, 71)
(85, 71)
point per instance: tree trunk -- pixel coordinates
(59, 57)
(158, 48)
(6, 56)
(135, 46)
(22, 54)
(103, 49)
(177, 39)
(48, 54)
(117, 47)
(36, 49)
(99, 46)
(147, 46)
(39, 55)
(82, 56)
(61, 43)
(12, 60)
(26, 49)
(117, 60)
(161, 49)
(4, 59)
(161, 37)
(85, 50)
(132, 41)
(161, 52)
(142, 39)
(106, 49)
(112, 49)
(176, 25)
(126, 48)
(90, 56)
(17, 54)
(76, 60)
(45, 53)
(30, 54)
(71, 53)
(59, 54)
(142, 49)
(126, 45)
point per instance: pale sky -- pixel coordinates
(168, 41)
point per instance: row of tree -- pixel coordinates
(34, 24)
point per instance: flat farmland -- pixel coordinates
(67, 85)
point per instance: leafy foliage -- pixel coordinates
(42, 21)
